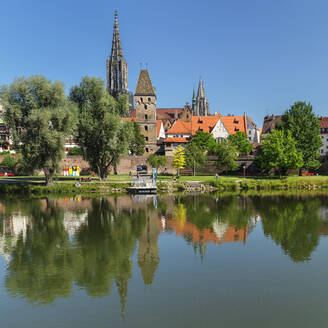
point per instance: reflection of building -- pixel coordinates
(148, 255)
(73, 221)
(14, 228)
(221, 232)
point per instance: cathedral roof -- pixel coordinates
(144, 86)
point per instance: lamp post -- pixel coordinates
(244, 167)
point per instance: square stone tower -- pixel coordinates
(145, 102)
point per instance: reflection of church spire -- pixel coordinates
(148, 257)
(122, 288)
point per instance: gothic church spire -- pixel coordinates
(201, 106)
(117, 67)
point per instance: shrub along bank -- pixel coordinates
(208, 185)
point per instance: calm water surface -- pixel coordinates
(166, 261)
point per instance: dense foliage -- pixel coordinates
(204, 140)
(157, 161)
(137, 144)
(101, 133)
(39, 118)
(304, 127)
(241, 142)
(195, 156)
(279, 152)
(227, 155)
(179, 159)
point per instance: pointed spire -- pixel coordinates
(144, 85)
(116, 43)
(201, 90)
(117, 67)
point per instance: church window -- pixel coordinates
(146, 150)
(149, 99)
(146, 128)
(145, 106)
(146, 138)
(141, 99)
(146, 117)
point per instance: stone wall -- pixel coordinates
(127, 164)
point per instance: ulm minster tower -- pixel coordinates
(117, 68)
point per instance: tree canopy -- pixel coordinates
(204, 140)
(101, 133)
(157, 161)
(241, 142)
(304, 127)
(39, 118)
(279, 151)
(195, 156)
(179, 158)
(137, 143)
(227, 155)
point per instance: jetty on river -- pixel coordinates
(143, 184)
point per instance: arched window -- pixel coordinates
(145, 106)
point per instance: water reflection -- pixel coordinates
(52, 245)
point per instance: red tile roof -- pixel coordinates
(177, 140)
(158, 126)
(180, 127)
(323, 122)
(234, 123)
(204, 123)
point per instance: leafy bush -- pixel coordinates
(75, 151)
(9, 163)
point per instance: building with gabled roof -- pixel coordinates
(324, 135)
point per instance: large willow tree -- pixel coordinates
(39, 119)
(101, 133)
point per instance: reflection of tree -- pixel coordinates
(47, 263)
(106, 245)
(236, 211)
(292, 223)
(39, 269)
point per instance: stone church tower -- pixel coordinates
(200, 105)
(145, 102)
(117, 68)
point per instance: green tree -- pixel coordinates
(292, 223)
(101, 133)
(9, 163)
(179, 159)
(137, 144)
(305, 129)
(157, 161)
(279, 151)
(226, 156)
(204, 140)
(195, 156)
(241, 142)
(39, 118)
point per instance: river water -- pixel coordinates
(165, 261)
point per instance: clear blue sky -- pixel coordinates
(257, 56)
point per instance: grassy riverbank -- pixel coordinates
(117, 184)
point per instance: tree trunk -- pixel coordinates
(48, 176)
(103, 173)
(194, 169)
